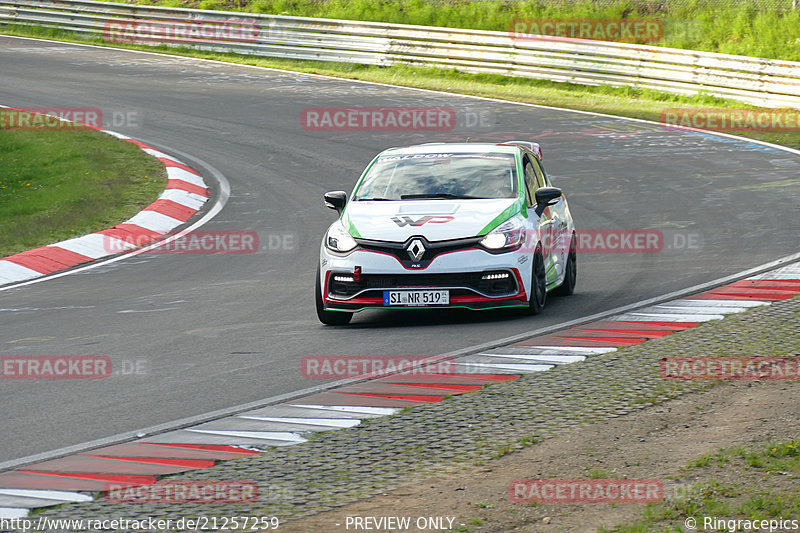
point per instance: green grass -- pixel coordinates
(55, 185)
(711, 25)
(598, 473)
(757, 486)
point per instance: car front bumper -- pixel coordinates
(474, 278)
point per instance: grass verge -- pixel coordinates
(55, 185)
(622, 101)
(729, 490)
(760, 29)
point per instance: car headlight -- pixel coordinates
(338, 239)
(509, 235)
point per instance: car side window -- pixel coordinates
(541, 178)
(530, 181)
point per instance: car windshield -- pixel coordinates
(440, 176)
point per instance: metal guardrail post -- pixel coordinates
(758, 81)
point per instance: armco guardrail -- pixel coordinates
(765, 82)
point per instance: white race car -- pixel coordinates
(443, 225)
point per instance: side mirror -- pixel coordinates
(336, 200)
(546, 196)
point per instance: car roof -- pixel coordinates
(454, 148)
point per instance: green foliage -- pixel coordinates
(60, 184)
(711, 25)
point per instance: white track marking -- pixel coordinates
(551, 359)
(284, 436)
(175, 173)
(574, 349)
(516, 367)
(185, 198)
(667, 317)
(324, 422)
(95, 245)
(64, 496)
(14, 512)
(10, 272)
(356, 409)
(155, 221)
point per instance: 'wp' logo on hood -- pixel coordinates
(408, 221)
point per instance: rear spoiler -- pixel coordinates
(532, 146)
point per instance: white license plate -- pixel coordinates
(416, 298)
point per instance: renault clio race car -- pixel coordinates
(445, 225)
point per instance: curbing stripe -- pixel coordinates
(513, 367)
(174, 173)
(169, 162)
(71, 482)
(155, 221)
(131, 234)
(677, 326)
(352, 409)
(184, 195)
(95, 245)
(744, 304)
(235, 450)
(383, 396)
(287, 437)
(155, 153)
(545, 359)
(10, 272)
(132, 480)
(13, 512)
(47, 495)
(48, 259)
(171, 209)
(669, 317)
(422, 398)
(187, 463)
(182, 185)
(322, 422)
(456, 388)
(567, 349)
(24, 501)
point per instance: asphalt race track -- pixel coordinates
(214, 331)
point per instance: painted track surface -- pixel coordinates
(219, 330)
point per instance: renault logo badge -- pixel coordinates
(415, 250)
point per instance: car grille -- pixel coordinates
(462, 283)
(432, 249)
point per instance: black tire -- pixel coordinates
(571, 271)
(538, 285)
(329, 318)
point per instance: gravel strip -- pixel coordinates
(339, 467)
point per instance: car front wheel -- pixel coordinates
(538, 285)
(570, 271)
